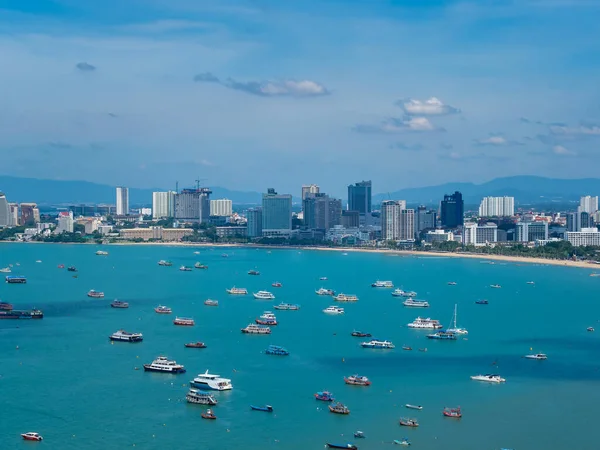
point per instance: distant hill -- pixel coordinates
(66, 192)
(525, 189)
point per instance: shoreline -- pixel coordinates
(425, 254)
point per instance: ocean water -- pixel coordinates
(61, 376)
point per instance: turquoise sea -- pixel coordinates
(61, 376)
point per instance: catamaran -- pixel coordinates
(454, 328)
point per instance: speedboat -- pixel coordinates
(195, 345)
(452, 283)
(359, 435)
(445, 335)
(201, 398)
(382, 284)
(406, 347)
(333, 310)
(357, 380)
(430, 324)
(119, 304)
(256, 329)
(452, 412)
(488, 378)
(324, 396)
(590, 328)
(210, 302)
(163, 309)
(31, 436)
(409, 406)
(345, 298)
(539, 356)
(263, 295)
(276, 350)
(200, 266)
(287, 306)
(208, 381)
(162, 364)
(409, 422)
(531, 282)
(277, 284)
(377, 344)
(266, 408)
(323, 278)
(495, 286)
(415, 303)
(253, 272)
(339, 408)
(124, 336)
(481, 302)
(401, 293)
(165, 263)
(185, 269)
(183, 321)
(5, 270)
(323, 291)
(72, 269)
(101, 253)
(360, 334)
(208, 414)
(237, 291)
(346, 446)
(404, 441)
(95, 294)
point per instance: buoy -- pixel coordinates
(343, 360)
(17, 347)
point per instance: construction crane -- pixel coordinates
(198, 181)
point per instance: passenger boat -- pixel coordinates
(409, 406)
(277, 284)
(346, 446)
(163, 309)
(382, 284)
(4, 306)
(195, 345)
(357, 380)
(339, 408)
(184, 321)
(162, 364)
(481, 302)
(210, 302)
(165, 263)
(200, 266)
(119, 304)
(377, 344)
(324, 396)
(333, 310)
(404, 441)
(415, 303)
(95, 294)
(72, 269)
(237, 291)
(451, 283)
(15, 279)
(101, 253)
(444, 335)
(269, 321)
(124, 336)
(253, 272)
(287, 306)
(409, 422)
(266, 408)
(256, 329)
(21, 314)
(276, 350)
(208, 414)
(200, 398)
(454, 329)
(323, 291)
(359, 435)
(538, 356)
(401, 293)
(345, 298)
(207, 381)
(452, 412)
(488, 378)
(185, 269)
(360, 334)
(31, 436)
(495, 286)
(5, 270)
(430, 324)
(264, 295)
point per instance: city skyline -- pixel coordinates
(472, 109)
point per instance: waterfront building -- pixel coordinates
(424, 219)
(452, 210)
(350, 219)
(91, 225)
(347, 236)
(439, 236)
(254, 220)
(497, 207)
(122, 201)
(588, 204)
(531, 231)
(276, 214)
(231, 232)
(193, 205)
(30, 214)
(156, 233)
(321, 212)
(359, 197)
(587, 236)
(14, 214)
(221, 207)
(65, 222)
(478, 235)
(5, 217)
(407, 224)
(390, 220)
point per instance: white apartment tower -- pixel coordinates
(395, 223)
(122, 201)
(588, 204)
(221, 207)
(163, 204)
(309, 189)
(497, 207)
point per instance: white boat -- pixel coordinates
(374, 343)
(539, 356)
(287, 306)
(101, 253)
(401, 293)
(264, 295)
(210, 302)
(495, 286)
(324, 291)
(256, 329)
(237, 291)
(200, 398)
(488, 378)
(124, 336)
(95, 294)
(345, 298)
(415, 303)
(382, 284)
(162, 364)
(185, 269)
(429, 324)
(333, 310)
(323, 278)
(409, 406)
(531, 282)
(268, 315)
(5, 270)
(208, 381)
(454, 328)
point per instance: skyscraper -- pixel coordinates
(497, 207)
(588, 204)
(390, 220)
(65, 222)
(30, 214)
(321, 211)
(452, 210)
(5, 217)
(309, 189)
(359, 197)
(276, 214)
(407, 225)
(221, 207)
(163, 204)
(122, 201)
(14, 214)
(254, 217)
(424, 219)
(193, 205)
(350, 219)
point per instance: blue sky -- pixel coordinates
(257, 94)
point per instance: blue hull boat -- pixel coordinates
(346, 446)
(266, 408)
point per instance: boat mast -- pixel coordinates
(455, 316)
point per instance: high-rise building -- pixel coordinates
(193, 205)
(163, 204)
(276, 214)
(531, 231)
(588, 204)
(254, 217)
(65, 222)
(390, 220)
(14, 214)
(122, 201)
(452, 210)
(587, 236)
(30, 214)
(221, 207)
(474, 234)
(573, 221)
(407, 225)
(497, 207)
(350, 219)
(359, 197)
(5, 217)
(424, 219)
(309, 189)
(321, 211)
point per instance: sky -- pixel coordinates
(250, 94)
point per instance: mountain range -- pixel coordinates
(525, 189)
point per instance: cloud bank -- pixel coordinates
(430, 107)
(278, 88)
(405, 125)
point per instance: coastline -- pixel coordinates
(425, 254)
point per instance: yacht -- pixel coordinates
(333, 310)
(185, 269)
(264, 295)
(31, 436)
(445, 335)
(200, 398)
(430, 324)
(415, 303)
(495, 286)
(452, 283)
(324, 291)
(253, 272)
(95, 294)
(123, 335)
(357, 380)
(538, 356)
(207, 381)
(237, 291)
(210, 302)
(163, 262)
(5, 270)
(183, 321)
(163, 309)
(382, 284)
(454, 328)
(101, 253)
(162, 364)
(345, 298)
(256, 329)
(377, 344)
(287, 306)
(200, 266)
(488, 378)
(119, 304)
(401, 293)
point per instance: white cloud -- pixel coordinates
(393, 125)
(562, 151)
(581, 130)
(430, 107)
(496, 140)
(289, 87)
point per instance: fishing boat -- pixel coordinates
(404, 441)
(323, 278)
(401, 293)
(124, 336)
(95, 294)
(406, 347)
(382, 284)
(61, 266)
(374, 343)
(31, 436)
(163, 309)
(345, 298)
(185, 269)
(276, 350)
(488, 378)
(208, 414)
(538, 356)
(162, 364)
(359, 435)
(183, 321)
(409, 406)
(253, 272)
(357, 380)
(119, 304)
(200, 266)
(495, 286)
(277, 284)
(531, 282)
(287, 307)
(444, 335)
(360, 334)
(266, 408)
(415, 303)
(409, 422)
(200, 398)
(323, 291)
(346, 446)
(324, 396)
(210, 302)
(333, 310)
(263, 295)
(195, 345)
(15, 279)
(339, 408)
(165, 263)
(72, 269)
(455, 413)
(481, 302)
(256, 329)
(207, 381)
(4, 306)
(237, 291)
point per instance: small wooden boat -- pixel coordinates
(452, 412)
(208, 415)
(339, 408)
(409, 406)
(347, 446)
(409, 423)
(31, 436)
(266, 408)
(324, 396)
(195, 345)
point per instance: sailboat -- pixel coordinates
(454, 328)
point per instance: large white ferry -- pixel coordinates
(333, 310)
(488, 378)
(377, 344)
(415, 303)
(382, 284)
(95, 294)
(324, 291)
(263, 295)
(237, 291)
(208, 381)
(162, 364)
(123, 335)
(430, 324)
(256, 329)
(345, 298)
(401, 293)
